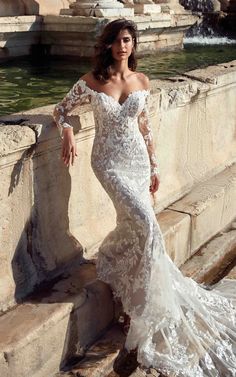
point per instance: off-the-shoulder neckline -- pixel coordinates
(108, 95)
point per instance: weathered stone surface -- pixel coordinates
(147, 8)
(232, 273)
(211, 261)
(38, 336)
(16, 144)
(125, 12)
(20, 24)
(102, 8)
(176, 228)
(10, 8)
(203, 144)
(18, 35)
(31, 7)
(35, 331)
(219, 74)
(212, 199)
(15, 138)
(147, 25)
(78, 31)
(100, 357)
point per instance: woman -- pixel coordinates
(176, 325)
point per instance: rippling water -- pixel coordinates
(209, 40)
(25, 84)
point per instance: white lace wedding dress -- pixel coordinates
(179, 327)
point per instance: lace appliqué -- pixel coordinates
(145, 128)
(78, 95)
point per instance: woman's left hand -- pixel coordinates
(155, 181)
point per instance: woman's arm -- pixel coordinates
(145, 129)
(76, 96)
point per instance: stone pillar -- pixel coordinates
(101, 8)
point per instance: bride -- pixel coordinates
(177, 327)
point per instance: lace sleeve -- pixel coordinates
(145, 129)
(76, 96)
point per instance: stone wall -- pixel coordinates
(19, 35)
(75, 36)
(52, 217)
(31, 7)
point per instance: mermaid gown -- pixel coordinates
(180, 327)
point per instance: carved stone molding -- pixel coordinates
(101, 8)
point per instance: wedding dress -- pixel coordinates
(179, 327)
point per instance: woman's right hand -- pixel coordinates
(69, 149)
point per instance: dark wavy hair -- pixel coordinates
(103, 55)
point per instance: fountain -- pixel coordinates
(217, 25)
(71, 31)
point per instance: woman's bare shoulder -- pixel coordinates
(143, 80)
(89, 79)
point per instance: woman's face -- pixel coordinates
(122, 46)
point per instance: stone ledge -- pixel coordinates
(211, 199)
(15, 138)
(176, 229)
(219, 74)
(100, 357)
(40, 119)
(54, 324)
(211, 261)
(21, 24)
(20, 19)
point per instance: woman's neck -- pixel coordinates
(120, 69)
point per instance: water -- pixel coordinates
(209, 40)
(198, 5)
(25, 84)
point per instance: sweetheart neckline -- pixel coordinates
(108, 95)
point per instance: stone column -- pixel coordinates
(101, 8)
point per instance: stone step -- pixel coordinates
(39, 336)
(213, 260)
(211, 205)
(176, 230)
(99, 359)
(101, 362)
(197, 217)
